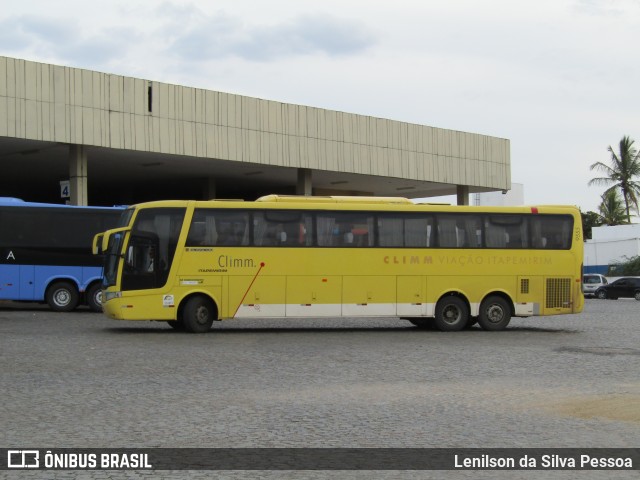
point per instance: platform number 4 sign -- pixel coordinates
(65, 189)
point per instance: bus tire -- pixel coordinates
(198, 314)
(452, 314)
(495, 314)
(94, 297)
(62, 296)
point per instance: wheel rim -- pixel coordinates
(97, 298)
(637, 296)
(61, 298)
(451, 314)
(495, 313)
(202, 315)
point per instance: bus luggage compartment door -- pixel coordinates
(411, 296)
(9, 282)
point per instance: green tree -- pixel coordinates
(621, 173)
(611, 210)
(589, 220)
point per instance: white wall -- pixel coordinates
(511, 198)
(612, 244)
(617, 232)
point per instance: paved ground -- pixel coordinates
(81, 380)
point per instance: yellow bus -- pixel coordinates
(193, 262)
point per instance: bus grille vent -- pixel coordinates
(558, 293)
(524, 285)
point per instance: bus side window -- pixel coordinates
(400, 230)
(447, 231)
(390, 231)
(345, 229)
(506, 231)
(197, 234)
(232, 228)
(326, 226)
(418, 231)
(469, 231)
(552, 232)
(284, 228)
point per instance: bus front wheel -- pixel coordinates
(62, 297)
(452, 314)
(198, 314)
(495, 314)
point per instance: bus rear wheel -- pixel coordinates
(198, 314)
(62, 296)
(94, 297)
(452, 314)
(495, 314)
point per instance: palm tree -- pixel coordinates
(622, 173)
(611, 210)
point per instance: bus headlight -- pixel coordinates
(111, 295)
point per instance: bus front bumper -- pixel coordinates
(151, 307)
(112, 305)
(115, 306)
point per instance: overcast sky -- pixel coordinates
(559, 78)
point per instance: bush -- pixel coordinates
(627, 267)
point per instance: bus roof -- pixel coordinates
(17, 202)
(287, 202)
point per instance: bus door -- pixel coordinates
(141, 263)
(27, 282)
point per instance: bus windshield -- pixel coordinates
(152, 246)
(111, 256)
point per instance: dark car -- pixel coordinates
(623, 287)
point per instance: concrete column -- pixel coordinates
(209, 190)
(462, 192)
(78, 175)
(304, 185)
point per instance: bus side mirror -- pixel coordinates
(105, 242)
(97, 247)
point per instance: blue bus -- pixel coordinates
(45, 253)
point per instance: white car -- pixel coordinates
(591, 282)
